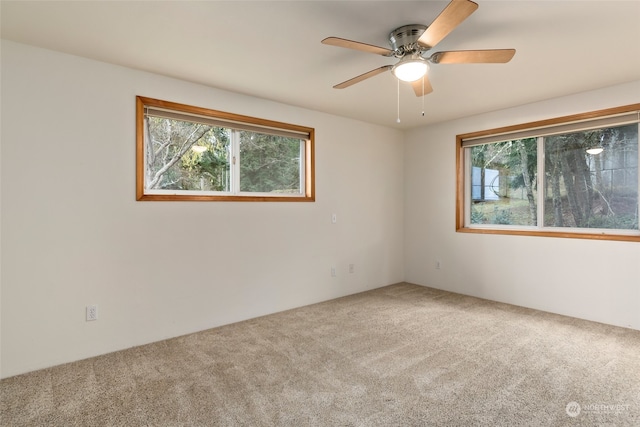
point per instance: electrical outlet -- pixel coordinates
(352, 268)
(438, 265)
(333, 272)
(92, 312)
(334, 218)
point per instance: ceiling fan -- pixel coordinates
(410, 43)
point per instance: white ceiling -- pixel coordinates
(272, 49)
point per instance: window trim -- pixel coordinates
(519, 129)
(227, 119)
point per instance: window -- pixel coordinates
(575, 176)
(192, 153)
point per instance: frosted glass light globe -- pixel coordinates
(410, 69)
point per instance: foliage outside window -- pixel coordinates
(192, 153)
(575, 176)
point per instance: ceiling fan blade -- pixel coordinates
(452, 15)
(489, 56)
(362, 77)
(350, 44)
(418, 87)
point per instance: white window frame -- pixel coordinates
(593, 120)
(235, 123)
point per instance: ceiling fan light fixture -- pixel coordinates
(410, 69)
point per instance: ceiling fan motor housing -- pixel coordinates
(405, 39)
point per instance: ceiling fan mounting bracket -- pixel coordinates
(404, 40)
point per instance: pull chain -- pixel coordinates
(422, 96)
(398, 120)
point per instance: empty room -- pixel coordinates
(319, 213)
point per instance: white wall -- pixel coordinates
(73, 234)
(589, 279)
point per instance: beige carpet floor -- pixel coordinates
(402, 355)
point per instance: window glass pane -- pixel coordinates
(269, 163)
(183, 155)
(503, 183)
(192, 153)
(597, 190)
